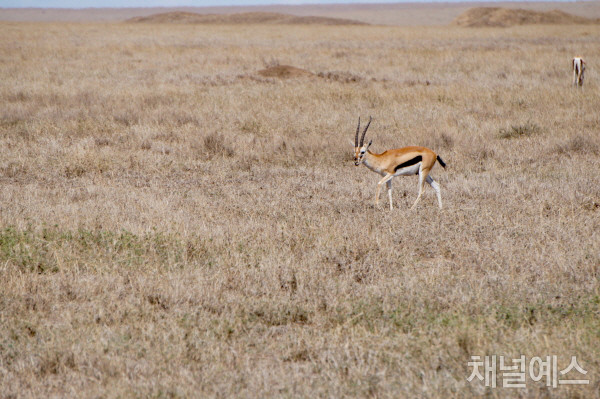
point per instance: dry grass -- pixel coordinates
(173, 224)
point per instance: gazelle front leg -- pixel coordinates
(385, 179)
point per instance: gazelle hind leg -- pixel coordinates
(389, 188)
(436, 187)
(421, 183)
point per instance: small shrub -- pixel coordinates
(516, 131)
(438, 141)
(215, 144)
(74, 170)
(13, 170)
(126, 118)
(251, 126)
(578, 144)
(102, 141)
(146, 145)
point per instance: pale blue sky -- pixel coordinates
(177, 3)
(166, 3)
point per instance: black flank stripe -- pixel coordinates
(410, 162)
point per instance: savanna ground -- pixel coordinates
(173, 224)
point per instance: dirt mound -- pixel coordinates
(502, 17)
(240, 18)
(284, 72)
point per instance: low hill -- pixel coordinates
(503, 17)
(180, 17)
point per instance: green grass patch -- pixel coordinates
(48, 250)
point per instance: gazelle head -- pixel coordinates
(361, 150)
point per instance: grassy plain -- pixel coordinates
(173, 224)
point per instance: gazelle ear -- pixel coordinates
(351, 143)
(368, 145)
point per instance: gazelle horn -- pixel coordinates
(362, 139)
(357, 130)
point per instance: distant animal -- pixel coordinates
(406, 161)
(578, 66)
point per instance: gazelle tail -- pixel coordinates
(441, 162)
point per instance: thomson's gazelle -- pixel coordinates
(405, 161)
(578, 66)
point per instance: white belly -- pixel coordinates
(409, 170)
